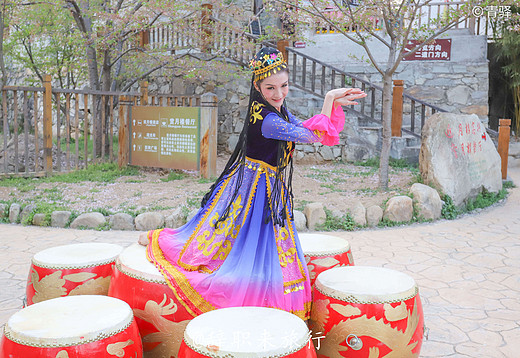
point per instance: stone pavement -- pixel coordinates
(468, 272)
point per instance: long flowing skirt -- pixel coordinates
(243, 261)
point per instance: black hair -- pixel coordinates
(281, 193)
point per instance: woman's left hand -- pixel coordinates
(349, 98)
(342, 92)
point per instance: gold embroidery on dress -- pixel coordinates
(226, 228)
(285, 257)
(118, 349)
(256, 109)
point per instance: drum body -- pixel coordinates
(323, 252)
(247, 332)
(73, 327)
(69, 270)
(159, 315)
(361, 311)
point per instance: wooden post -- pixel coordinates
(144, 38)
(208, 135)
(123, 131)
(205, 18)
(281, 46)
(397, 108)
(144, 93)
(47, 124)
(504, 131)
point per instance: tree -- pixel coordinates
(398, 20)
(47, 44)
(509, 50)
(101, 41)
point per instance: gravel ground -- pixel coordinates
(337, 185)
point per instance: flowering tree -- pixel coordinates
(392, 23)
(103, 43)
(509, 50)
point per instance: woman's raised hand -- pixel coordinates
(346, 96)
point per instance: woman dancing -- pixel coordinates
(241, 248)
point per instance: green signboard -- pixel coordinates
(165, 137)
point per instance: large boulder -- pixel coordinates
(458, 158)
(300, 221)
(315, 214)
(26, 212)
(149, 221)
(89, 221)
(176, 219)
(426, 201)
(14, 212)
(122, 221)
(358, 213)
(60, 218)
(399, 209)
(38, 219)
(374, 215)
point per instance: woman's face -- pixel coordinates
(274, 88)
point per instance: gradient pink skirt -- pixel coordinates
(242, 261)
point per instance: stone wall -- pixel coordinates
(233, 97)
(460, 85)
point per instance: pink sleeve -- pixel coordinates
(321, 122)
(337, 118)
(331, 126)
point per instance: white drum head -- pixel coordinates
(69, 321)
(366, 284)
(77, 255)
(246, 332)
(133, 262)
(322, 245)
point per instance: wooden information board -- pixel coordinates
(165, 137)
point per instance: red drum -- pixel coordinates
(159, 315)
(69, 270)
(323, 252)
(361, 311)
(247, 332)
(73, 327)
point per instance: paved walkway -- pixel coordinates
(468, 271)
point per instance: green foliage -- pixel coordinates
(344, 223)
(371, 162)
(175, 175)
(449, 211)
(202, 180)
(368, 191)
(508, 185)
(42, 38)
(104, 227)
(43, 208)
(104, 211)
(388, 223)
(508, 50)
(485, 199)
(160, 207)
(193, 202)
(103, 173)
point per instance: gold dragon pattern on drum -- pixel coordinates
(398, 342)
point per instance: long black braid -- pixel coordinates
(281, 193)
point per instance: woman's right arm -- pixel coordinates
(274, 127)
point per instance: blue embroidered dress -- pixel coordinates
(246, 260)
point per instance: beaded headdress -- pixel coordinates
(267, 62)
